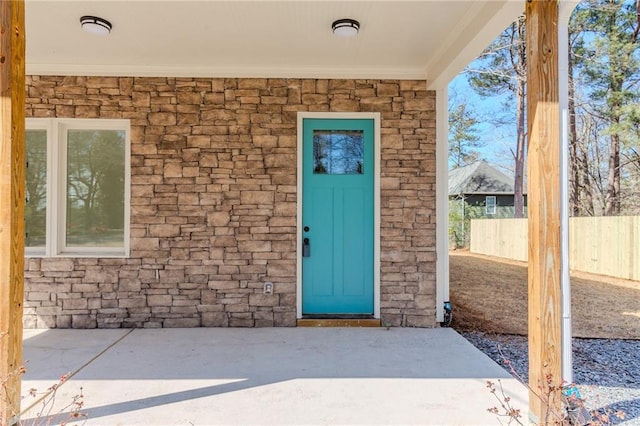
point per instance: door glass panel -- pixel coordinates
(36, 188)
(338, 152)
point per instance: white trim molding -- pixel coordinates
(442, 201)
(199, 71)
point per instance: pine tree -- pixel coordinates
(610, 67)
(464, 140)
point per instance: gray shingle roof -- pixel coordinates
(479, 178)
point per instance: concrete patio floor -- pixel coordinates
(267, 376)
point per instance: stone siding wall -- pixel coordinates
(213, 201)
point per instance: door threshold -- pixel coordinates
(339, 322)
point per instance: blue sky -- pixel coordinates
(497, 139)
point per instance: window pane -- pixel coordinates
(490, 203)
(338, 152)
(95, 188)
(36, 188)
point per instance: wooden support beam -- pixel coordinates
(12, 199)
(545, 304)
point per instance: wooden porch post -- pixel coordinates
(545, 307)
(12, 199)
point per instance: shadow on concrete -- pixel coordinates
(280, 367)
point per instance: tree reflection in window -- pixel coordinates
(36, 188)
(338, 152)
(95, 188)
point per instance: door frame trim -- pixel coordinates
(375, 116)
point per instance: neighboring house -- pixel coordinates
(481, 185)
(477, 190)
(225, 163)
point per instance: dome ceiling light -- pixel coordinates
(345, 27)
(95, 25)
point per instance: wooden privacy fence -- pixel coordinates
(599, 245)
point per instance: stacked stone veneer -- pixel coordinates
(213, 201)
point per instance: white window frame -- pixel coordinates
(490, 209)
(57, 129)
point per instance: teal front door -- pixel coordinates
(338, 217)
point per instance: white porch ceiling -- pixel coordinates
(426, 39)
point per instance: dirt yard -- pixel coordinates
(490, 294)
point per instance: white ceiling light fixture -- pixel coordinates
(345, 27)
(95, 25)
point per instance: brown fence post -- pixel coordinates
(12, 199)
(545, 304)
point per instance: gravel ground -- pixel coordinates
(606, 371)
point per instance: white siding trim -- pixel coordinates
(442, 201)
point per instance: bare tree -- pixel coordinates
(502, 69)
